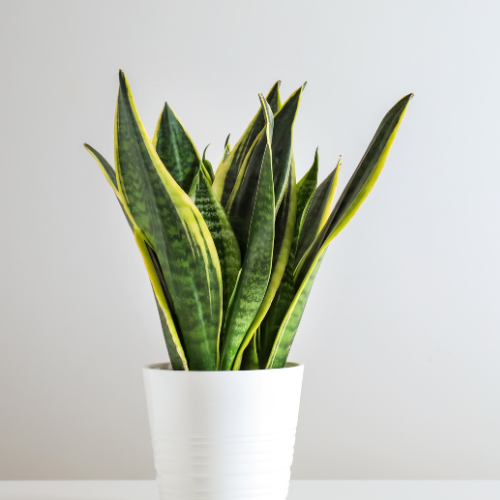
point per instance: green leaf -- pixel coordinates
(291, 321)
(283, 237)
(284, 296)
(358, 187)
(169, 324)
(174, 228)
(176, 149)
(227, 172)
(110, 175)
(306, 187)
(317, 213)
(282, 143)
(354, 194)
(208, 166)
(222, 233)
(252, 218)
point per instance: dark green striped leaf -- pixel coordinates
(358, 187)
(252, 218)
(222, 233)
(317, 212)
(291, 321)
(351, 199)
(227, 172)
(306, 187)
(163, 300)
(283, 237)
(282, 144)
(176, 149)
(174, 228)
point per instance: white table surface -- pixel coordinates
(299, 490)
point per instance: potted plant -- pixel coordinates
(231, 257)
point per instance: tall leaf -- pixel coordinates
(317, 212)
(284, 296)
(252, 218)
(174, 228)
(176, 149)
(356, 191)
(359, 186)
(283, 237)
(282, 143)
(222, 233)
(227, 172)
(168, 323)
(306, 187)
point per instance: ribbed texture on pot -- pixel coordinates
(223, 435)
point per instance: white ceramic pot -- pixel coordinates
(223, 435)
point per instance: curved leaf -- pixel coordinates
(288, 328)
(359, 186)
(306, 187)
(282, 143)
(176, 149)
(222, 233)
(252, 218)
(227, 172)
(354, 194)
(283, 237)
(317, 212)
(169, 326)
(175, 230)
(208, 166)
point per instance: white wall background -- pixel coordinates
(401, 337)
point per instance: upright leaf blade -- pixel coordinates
(227, 172)
(359, 185)
(282, 144)
(256, 244)
(222, 233)
(306, 187)
(351, 199)
(176, 149)
(283, 237)
(317, 212)
(174, 228)
(208, 166)
(169, 326)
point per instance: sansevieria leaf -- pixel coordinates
(252, 218)
(283, 237)
(317, 212)
(227, 172)
(176, 149)
(305, 189)
(169, 323)
(222, 233)
(359, 186)
(282, 144)
(356, 191)
(110, 175)
(174, 228)
(169, 326)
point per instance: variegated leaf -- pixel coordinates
(176, 149)
(252, 218)
(227, 172)
(175, 230)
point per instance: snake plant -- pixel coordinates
(232, 255)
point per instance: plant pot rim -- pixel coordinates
(166, 367)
